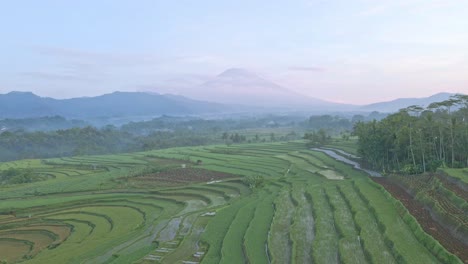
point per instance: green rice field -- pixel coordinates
(194, 205)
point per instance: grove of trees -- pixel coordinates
(417, 139)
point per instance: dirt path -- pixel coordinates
(424, 218)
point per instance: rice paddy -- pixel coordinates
(192, 205)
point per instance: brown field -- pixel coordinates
(38, 237)
(62, 231)
(182, 176)
(13, 251)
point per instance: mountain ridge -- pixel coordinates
(399, 103)
(27, 104)
(18, 104)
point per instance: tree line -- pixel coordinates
(417, 139)
(21, 144)
(90, 141)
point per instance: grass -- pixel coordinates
(257, 232)
(233, 250)
(350, 249)
(349, 146)
(461, 174)
(325, 244)
(371, 237)
(217, 229)
(302, 228)
(403, 243)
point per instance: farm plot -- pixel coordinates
(303, 223)
(279, 240)
(146, 208)
(14, 250)
(370, 236)
(182, 176)
(349, 244)
(325, 244)
(460, 174)
(454, 243)
(98, 218)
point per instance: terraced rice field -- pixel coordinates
(192, 205)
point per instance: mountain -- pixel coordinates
(238, 86)
(117, 104)
(25, 104)
(397, 104)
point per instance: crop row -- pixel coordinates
(103, 222)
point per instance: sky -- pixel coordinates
(350, 51)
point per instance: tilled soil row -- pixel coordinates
(424, 218)
(186, 175)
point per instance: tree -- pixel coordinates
(317, 138)
(415, 139)
(272, 137)
(225, 136)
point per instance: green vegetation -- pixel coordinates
(417, 140)
(256, 203)
(29, 139)
(16, 176)
(458, 174)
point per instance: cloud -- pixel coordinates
(306, 69)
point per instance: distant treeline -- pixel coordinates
(47, 123)
(418, 139)
(89, 141)
(337, 124)
(163, 132)
(37, 138)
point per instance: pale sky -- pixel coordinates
(353, 51)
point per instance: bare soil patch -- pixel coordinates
(331, 175)
(184, 175)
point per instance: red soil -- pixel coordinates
(424, 218)
(185, 176)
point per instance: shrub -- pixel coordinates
(254, 181)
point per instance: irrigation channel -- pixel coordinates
(333, 153)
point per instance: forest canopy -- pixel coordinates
(417, 139)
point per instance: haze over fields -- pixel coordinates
(219, 132)
(353, 52)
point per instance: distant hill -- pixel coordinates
(236, 90)
(397, 104)
(117, 104)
